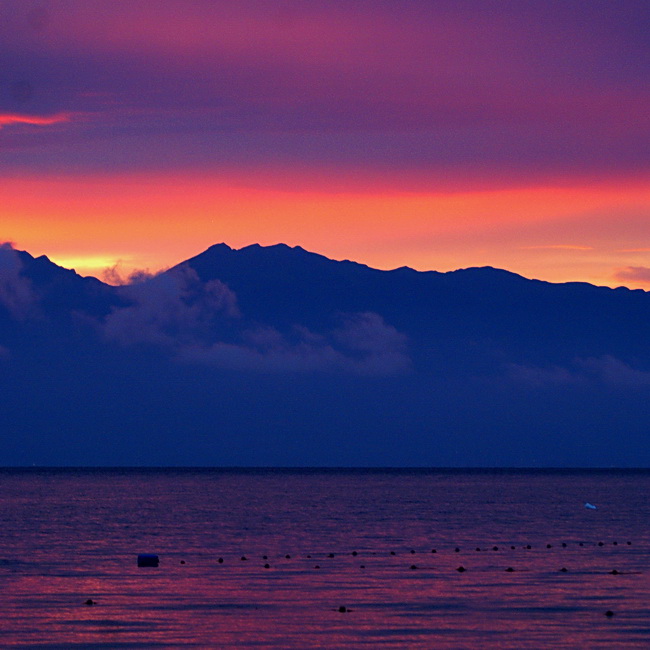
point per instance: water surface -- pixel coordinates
(358, 539)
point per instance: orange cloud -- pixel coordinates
(559, 247)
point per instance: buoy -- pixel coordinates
(148, 560)
(220, 560)
(267, 566)
(614, 572)
(563, 569)
(609, 613)
(342, 609)
(509, 569)
(413, 567)
(90, 601)
(460, 569)
(590, 506)
(354, 553)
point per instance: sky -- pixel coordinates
(436, 134)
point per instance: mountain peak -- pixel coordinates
(219, 247)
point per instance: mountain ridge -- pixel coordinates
(270, 356)
(488, 268)
(222, 246)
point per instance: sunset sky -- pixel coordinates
(437, 134)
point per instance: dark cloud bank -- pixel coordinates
(277, 356)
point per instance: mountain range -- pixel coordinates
(276, 356)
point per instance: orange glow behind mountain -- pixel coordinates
(154, 221)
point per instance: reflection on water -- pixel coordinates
(358, 540)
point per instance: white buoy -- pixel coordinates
(590, 506)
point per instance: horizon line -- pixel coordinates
(328, 468)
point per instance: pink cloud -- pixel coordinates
(428, 94)
(413, 67)
(10, 119)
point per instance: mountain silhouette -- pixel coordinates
(273, 355)
(476, 311)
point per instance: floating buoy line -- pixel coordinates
(268, 562)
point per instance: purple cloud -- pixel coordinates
(169, 309)
(474, 86)
(633, 273)
(610, 370)
(364, 345)
(201, 323)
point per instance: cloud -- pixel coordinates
(561, 247)
(281, 357)
(116, 276)
(113, 275)
(447, 87)
(10, 119)
(541, 376)
(363, 345)
(606, 370)
(170, 309)
(16, 292)
(378, 347)
(633, 273)
(610, 370)
(197, 322)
